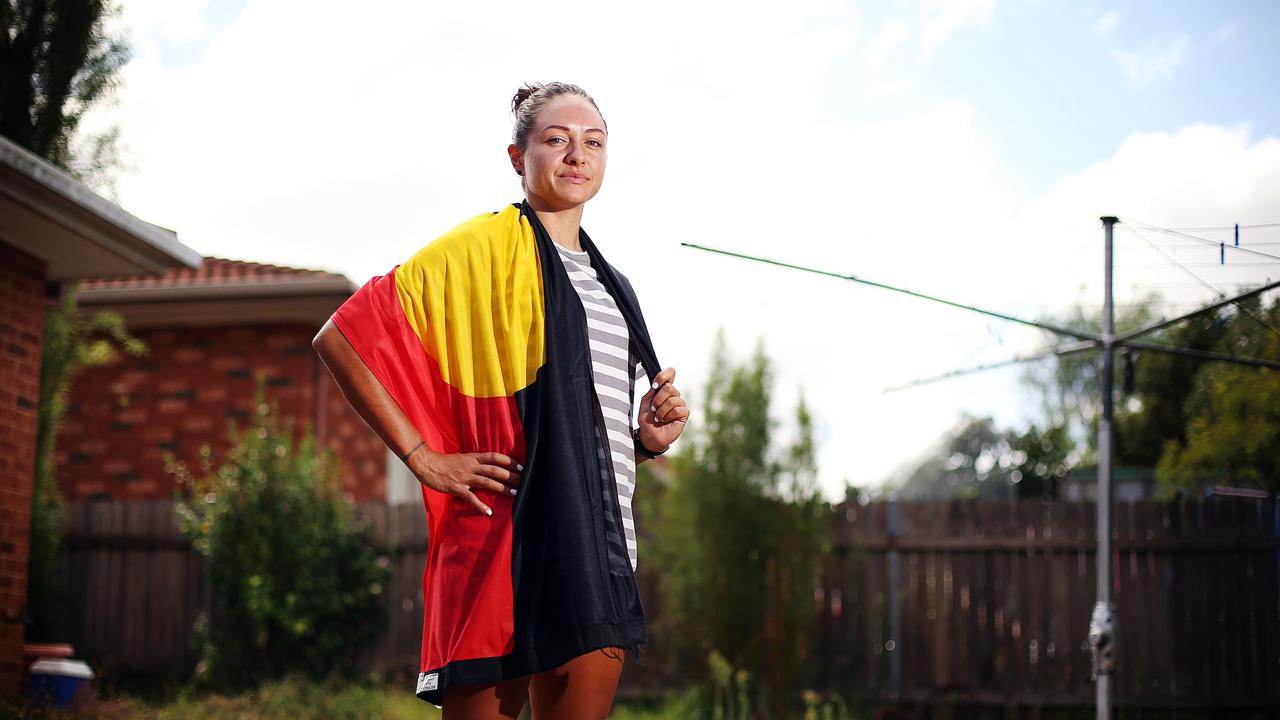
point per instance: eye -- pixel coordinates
(595, 143)
(555, 140)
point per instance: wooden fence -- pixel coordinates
(989, 602)
(965, 602)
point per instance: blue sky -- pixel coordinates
(1043, 77)
(962, 148)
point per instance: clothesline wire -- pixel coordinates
(1150, 266)
(1228, 227)
(1244, 310)
(1168, 257)
(1199, 245)
(1207, 241)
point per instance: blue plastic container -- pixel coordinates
(59, 680)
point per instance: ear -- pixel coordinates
(517, 158)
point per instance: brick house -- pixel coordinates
(53, 230)
(212, 332)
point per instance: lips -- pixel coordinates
(575, 178)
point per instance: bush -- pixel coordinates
(294, 587)
(72, 341)
(741, 536)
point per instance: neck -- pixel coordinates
(562, 225)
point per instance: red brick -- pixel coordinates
(170, 406)
(22, 280)
(223, 385)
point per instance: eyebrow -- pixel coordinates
(562, 127)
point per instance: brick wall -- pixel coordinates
(22, 290)
(123, 418)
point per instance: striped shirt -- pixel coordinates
(612, 371)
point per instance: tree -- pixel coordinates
(57, 61)
(741, 533)
(1195, 421)
(294, 586)
(1232, 428)
(978, 460)
(72, 342)
(1070, 387)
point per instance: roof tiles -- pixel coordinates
(212, 272)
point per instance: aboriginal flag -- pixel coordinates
(482, 342)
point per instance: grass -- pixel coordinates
(289, 700)
(283, 700)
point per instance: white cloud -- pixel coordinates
(1154, 62)
(928, 26)
(1198, 176)
(1105, 24)
(153, 23)
(943, 18)
(892, 86)
(884, 42)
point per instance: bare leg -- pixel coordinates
(501, 701)
(581, 689)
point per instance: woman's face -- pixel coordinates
(564, 156)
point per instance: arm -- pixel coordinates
(456, 474)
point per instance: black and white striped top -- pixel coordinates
(612, 373)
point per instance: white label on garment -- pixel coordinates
(428, 681)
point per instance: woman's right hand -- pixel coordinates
(460, 473)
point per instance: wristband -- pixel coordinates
(405, 457)
(640, 448)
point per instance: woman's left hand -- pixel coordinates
(663, 413)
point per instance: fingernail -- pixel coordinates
(519, 467)
(512, 491)
(488, 511)
(653, 408)
(655, 386)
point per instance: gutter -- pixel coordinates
(68, 202)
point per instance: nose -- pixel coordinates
(575, 156)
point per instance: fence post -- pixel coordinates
(893, 644)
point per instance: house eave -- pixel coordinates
(77, 233)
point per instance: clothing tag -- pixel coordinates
(428, 681)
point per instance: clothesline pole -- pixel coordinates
(1102, 631)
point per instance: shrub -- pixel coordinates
(294, 587)
(72, 341)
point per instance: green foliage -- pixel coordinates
(1232, 413)
(291, 698)
(59, 62)
(977, 460)
(1070, 386)
(1197, 422)
(294, 586)
(741, 534)
(71, 342)
(730, 695)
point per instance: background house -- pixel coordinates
(1129, 484)
(211, 332)
(53, 229)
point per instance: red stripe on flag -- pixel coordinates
(468, 569)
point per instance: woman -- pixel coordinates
(499, 363)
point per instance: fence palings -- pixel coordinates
(995, 599)
(967, 600)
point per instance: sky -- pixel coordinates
(964, 149)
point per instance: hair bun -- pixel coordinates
(537, 96)
(524, 93)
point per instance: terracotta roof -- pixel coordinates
(215, 271)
